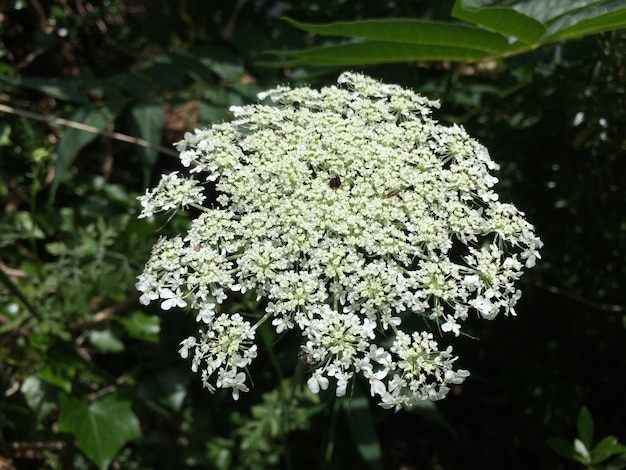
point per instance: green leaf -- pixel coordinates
(163, 73)
(105, 341)
(409, 31)
(375, 52)
(605, 448)
(191, 64)
(581, 454)
(5, 134)
(562, 447)
(50, 375)
(59, 88)
(73, 140)
(546, 11)
(494, 32)
(167, 388)
(600, 17)
(101, 428)
(148, 118)
(585, 427)
(142, 326)
(363, 430)
(37, 395)
(506, 21)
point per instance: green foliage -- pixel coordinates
(101, 427)
(73, 140)
(486, 31)
(264, 433)
(585, 451)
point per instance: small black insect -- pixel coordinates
(335, 182)
(296, 105)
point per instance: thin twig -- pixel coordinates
(616, 308)
(86, 128)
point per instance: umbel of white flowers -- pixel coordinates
(351, 212)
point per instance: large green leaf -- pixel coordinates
(101, 428)
(544, 11)
(506, 21)
(600, 17)
(377, 52)
(495, 30)
(73, 140)
(409, 31)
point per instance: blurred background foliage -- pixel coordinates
(91, 379)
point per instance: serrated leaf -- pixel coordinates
(73, 140)
(363, 430)
(585, 427)
(101, 428)
(506, 21)
(410, 31)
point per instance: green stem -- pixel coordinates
(262, 320)
(266, 337)
(331, 436)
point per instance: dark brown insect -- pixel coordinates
(306, 357)
(335, 182)
(394, 192)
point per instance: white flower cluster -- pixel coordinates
(351, 212)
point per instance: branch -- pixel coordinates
(86, 128)
(581, 300)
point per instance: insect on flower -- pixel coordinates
(335, 182)
(394, 192)
(306, 357)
